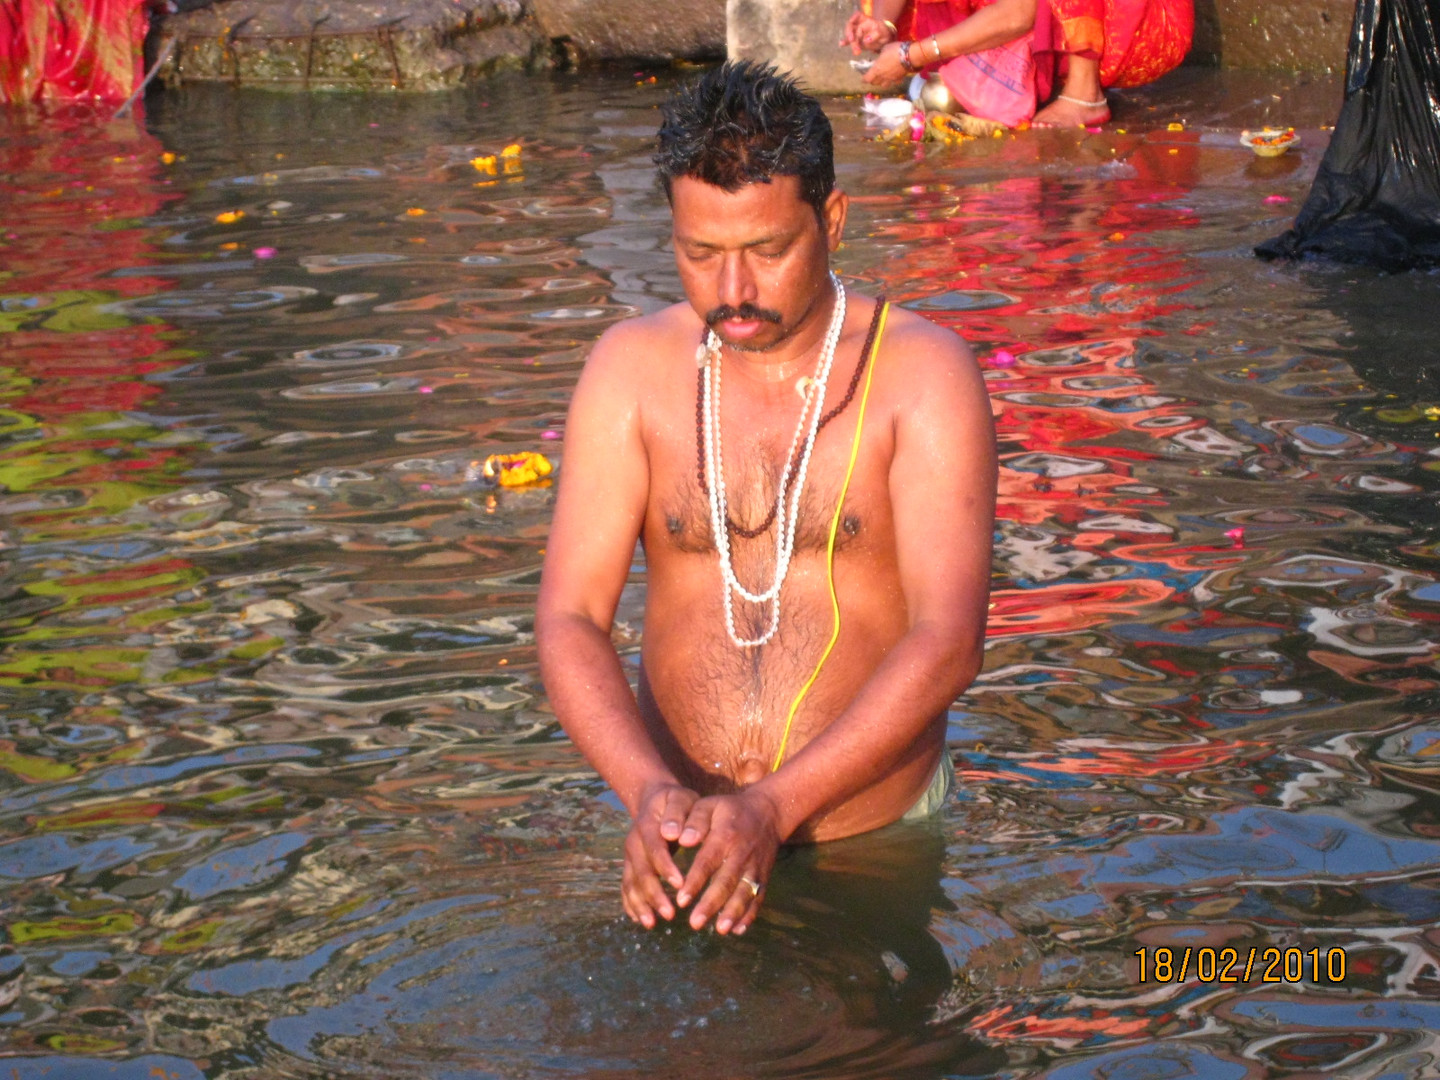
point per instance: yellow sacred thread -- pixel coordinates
(830, 543)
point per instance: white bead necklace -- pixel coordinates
(812, 392)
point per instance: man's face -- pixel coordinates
(754, 262)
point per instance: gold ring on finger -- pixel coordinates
(755, 886)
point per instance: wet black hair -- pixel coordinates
(742, 123)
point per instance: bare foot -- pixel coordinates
(1064, 112)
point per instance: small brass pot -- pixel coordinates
(935, 96)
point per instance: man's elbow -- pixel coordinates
(960, 656)
(555, 627)
(964, 665)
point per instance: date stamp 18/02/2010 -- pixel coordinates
(1271, 964)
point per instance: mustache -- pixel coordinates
(745, 312)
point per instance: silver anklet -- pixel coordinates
(1077, 101)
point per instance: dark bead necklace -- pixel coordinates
(794, 462)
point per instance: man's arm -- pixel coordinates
(942, 494)
(598, 517)
(942, 491)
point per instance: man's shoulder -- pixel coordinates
(927, 375)
(938, 404)
(917, 343)
(634, 360)
(635, 344)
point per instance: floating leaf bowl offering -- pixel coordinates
(1270, 142)
(953, 127)
(945, 128)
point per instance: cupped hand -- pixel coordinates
(887, 69)
(738, 837)
(649, 867)
(866, 33)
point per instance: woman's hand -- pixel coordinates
(887, 69)
(866, 33)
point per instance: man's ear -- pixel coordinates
(837, 205)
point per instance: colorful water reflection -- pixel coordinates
(283, 797)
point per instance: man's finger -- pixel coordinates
(707, 860)
(634, 911)
(656, 852)
(672, 815)
(656, 898)
(639, 883)
(697, 824)
(716, 870)
(625, 894)
(745, 897)
(751, 911)
(724, 889)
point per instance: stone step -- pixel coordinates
(433, 44)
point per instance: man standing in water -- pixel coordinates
(795, 675)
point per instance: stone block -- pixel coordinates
(798, 36)
(634, 29)
(333, 44)
(1297, 35)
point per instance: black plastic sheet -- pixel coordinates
(1376, 197)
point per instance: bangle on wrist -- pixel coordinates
(905, 61)
(894, 30)
(935, 44)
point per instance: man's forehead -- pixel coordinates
(760, 207)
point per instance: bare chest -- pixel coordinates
(760, 472)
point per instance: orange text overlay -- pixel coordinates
(1163, 964)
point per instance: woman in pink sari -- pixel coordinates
(1001, 59)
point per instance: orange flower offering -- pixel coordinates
(1270, 142)
(517, 470)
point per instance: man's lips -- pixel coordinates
(741, 328)
(740, 322)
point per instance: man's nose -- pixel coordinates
(737, 284)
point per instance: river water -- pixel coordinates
(281, 794)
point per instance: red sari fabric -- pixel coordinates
(71, 50)
(1136, 41)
